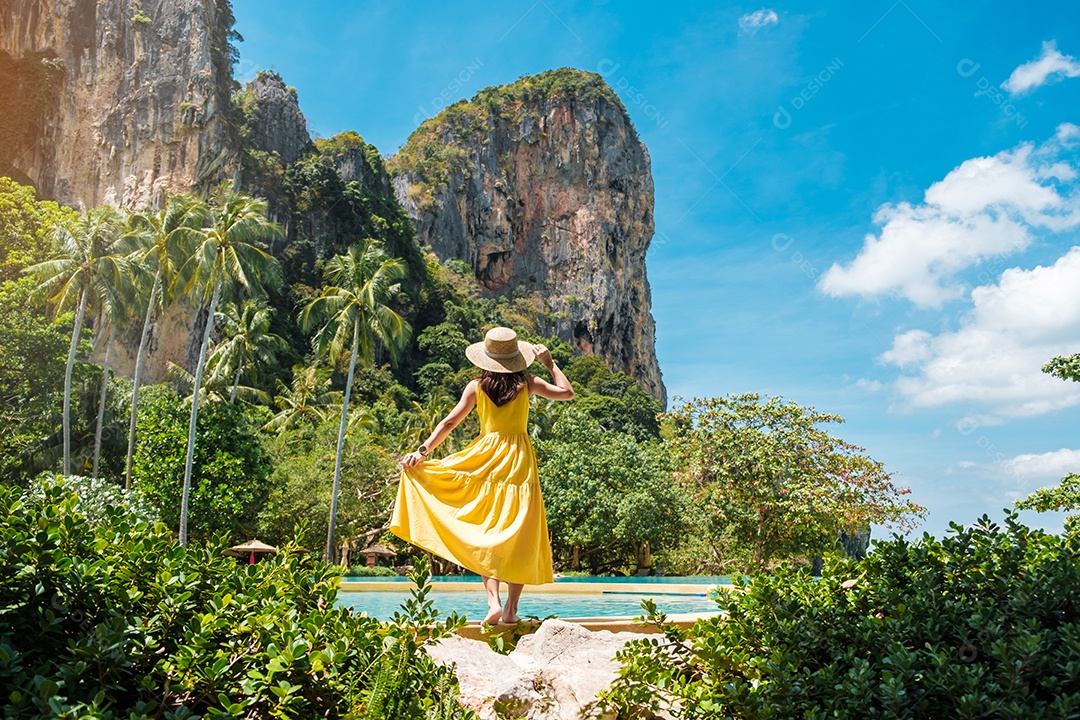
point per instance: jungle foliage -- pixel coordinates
(118, 620)
(980, 624)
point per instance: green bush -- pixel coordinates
(98, 498)
(365, 571)
(231, 479)
(981, 624)
(120, 621)
(609, 496)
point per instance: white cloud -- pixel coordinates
(996, 356)
(1049, 66)
(986, 207)
(869, 386)
(1051, 465)
(1066, 132)
(909, 348)
(750, 23)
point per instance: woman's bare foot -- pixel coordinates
(494, 616)
(509, 620)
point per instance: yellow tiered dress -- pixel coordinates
(481, 508)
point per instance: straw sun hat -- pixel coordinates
(501, 352)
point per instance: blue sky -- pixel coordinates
(869, 208)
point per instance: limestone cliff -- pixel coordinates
(137, 101)
(277, 124)
(543, 186)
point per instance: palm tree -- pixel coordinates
(227, 255)
(543, 416)
(87, 265)
(114, 311)
(305, 401)
(161, 237)
(354, 309)
(423, 417)
(248, 342)
(215, 388)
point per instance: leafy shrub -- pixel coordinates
(232, 468)
(365, 571)
(981, 624)
(120, 621)
(98, 498)
(301, 491)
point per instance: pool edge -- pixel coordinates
(475, 631)
(560, 588)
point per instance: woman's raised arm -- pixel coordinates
(448, 423)
(561, 390)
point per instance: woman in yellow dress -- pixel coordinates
(481, 508)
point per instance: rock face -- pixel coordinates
(141, 102)
(554, 674)
(543, 186)
(278, 125)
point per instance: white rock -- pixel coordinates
(555, 673)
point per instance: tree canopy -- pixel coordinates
(774, 483)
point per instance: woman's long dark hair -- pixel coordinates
(502, 387)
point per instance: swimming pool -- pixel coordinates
(383, 604)
(664, 580)
(574, 597)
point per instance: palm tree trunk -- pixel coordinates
(235, 383)
(101, 401)
(329, 553)
(147, 322)
(75, 333)
(195, 415)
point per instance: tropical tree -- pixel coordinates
(610, 500)
(215, 387)
(27, 227)
(774, 484)
(113, 312)
(161, 237)
(247, 342)
(305, 401)
(355, 314)
(87, 265)
(543, 415)
(300, 494)
(422, 418)
(231, 475)
(1065, 495)
(32, 348)
(228, 255)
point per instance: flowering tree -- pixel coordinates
(774, 484)
(1066, 495)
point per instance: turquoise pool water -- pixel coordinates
(666, 580)
(473, 605)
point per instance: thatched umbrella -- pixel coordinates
(374, 551)
(254, 547)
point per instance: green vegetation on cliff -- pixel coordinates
(439, 147)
